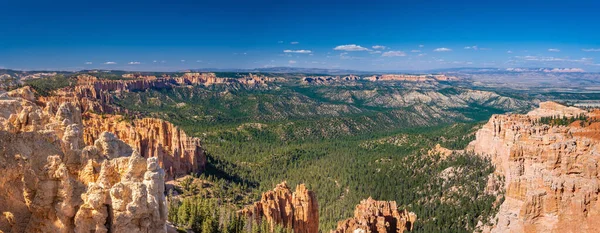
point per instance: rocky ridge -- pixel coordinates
(53, 182)
(298, 210)
(377, 216)
(411, 78)
(551, 174)
(177, 153)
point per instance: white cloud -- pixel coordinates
(198, 60)
(110, 63)
(134, 63)
(294, 42)
(422, 54)
(564, 70)
(591, 50)
(297, 51)
(155, 61)
(182, 60)
(88, 62)
(394, 54)
(415, 51)
(292, 62)
(421, 46)
(474, 47)
(350, 47)
(509, 51)
(553, 50)
(280, 42)
(442, 50)
(375, 52)
(378, 47)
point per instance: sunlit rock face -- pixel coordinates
(377, 216)
(297, 210)
(551, 181)
(53, 182)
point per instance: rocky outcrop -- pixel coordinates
(177, 153)
(52, 182)
(377, 216)
(551, 174)
(298, 210)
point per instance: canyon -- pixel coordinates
(550, 172)
(76, 161)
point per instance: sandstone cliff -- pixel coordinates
(551, 174)
(377, 216)
(52, 182)
(177, 153)
(298, 210)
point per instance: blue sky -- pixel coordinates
(361, 35)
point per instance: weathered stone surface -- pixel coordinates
(551, 180)
(377, 216)
(177, 153)
(298, 210)
(52, 182)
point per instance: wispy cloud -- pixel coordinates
(509, 51)
(591, 50)
(378, 47)
(393, 54)
(294, 42)
(155, 61)
(350, 47)
(292, 62)
(415, 51)
(280, 42)
(88, 62)
(564, 70)
(442, 50)
(553, 50)
(297, 51)
(182, 60)
(110, 63)
(134, 63)
(198, 61)
(375, 52)
(474, 47)
(421, 46)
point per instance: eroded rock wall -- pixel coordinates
(551, 180)
(178, 154)
(298, 210)
(53, 182)
(377, 216)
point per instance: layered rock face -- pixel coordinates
(52, 182)
(177, 153)
(298, 210)
(551, 175)
(377, 216)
